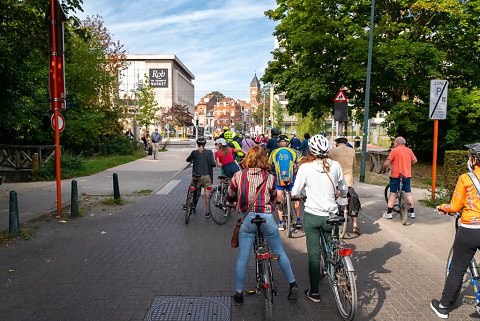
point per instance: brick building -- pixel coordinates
(204, 111)
(254, 89)
(227, 113)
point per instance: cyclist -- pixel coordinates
(467, 238)
(318, 176)
(346, 157)
(224, 130)
(242, 190)
(304, 145)
(203, 164)
(224, 158)
(401, 158)
(283, 161)
(272, 143)
(237, 156)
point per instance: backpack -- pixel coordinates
(354, 206)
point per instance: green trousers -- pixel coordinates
(312, 225)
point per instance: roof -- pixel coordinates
(254, 82)
(174, 58)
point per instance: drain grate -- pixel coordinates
(175, 308)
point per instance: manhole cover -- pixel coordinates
(175, 308)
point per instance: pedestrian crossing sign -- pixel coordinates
(340, 96)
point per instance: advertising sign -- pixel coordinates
(158, 78)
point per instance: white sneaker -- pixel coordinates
(411, 214)
(280, 226)
(387, 215)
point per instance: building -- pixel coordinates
(171, 80)
(247, 110)
(204, 112)
(227, 113)
(254, 90)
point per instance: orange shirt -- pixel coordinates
(465, 195)
(401, 158)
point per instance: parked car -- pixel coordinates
(208, 135)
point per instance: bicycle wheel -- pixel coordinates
(267, 291)
(387, 192)
(447, 270)
(216, 209)
(189, 207)
(403, 207)
(342, 229)
(345, 290)
(287, 211)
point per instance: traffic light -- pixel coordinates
(196, 123)
(269, 122)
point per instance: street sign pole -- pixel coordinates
(367, 96)
(434, 167)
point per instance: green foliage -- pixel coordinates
(324, 46)
(238, 127)
(309, 124)
(69, 163)
(148, 107)
(441, 197)
(454, 166)
(217, 94)
(277, 114)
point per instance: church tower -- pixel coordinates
(254, 89)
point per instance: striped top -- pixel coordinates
(243, 187)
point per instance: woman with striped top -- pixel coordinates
(242, 190)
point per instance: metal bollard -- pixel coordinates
(14, 221)
(116, 189)
(74, 212)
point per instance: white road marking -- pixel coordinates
(168, 188)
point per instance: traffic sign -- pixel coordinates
(61, 122)
(340, 96)
(438, 99)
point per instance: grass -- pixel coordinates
(441, 197)
(144, 191)
(112, 201)
(98, 164)
(25, 234)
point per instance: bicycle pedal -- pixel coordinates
(469, 300)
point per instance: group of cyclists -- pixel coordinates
(322, 176)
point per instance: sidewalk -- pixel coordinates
(38, 198)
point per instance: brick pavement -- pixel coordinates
(74, 272)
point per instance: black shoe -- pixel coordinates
(315, 297)
(293, 294)
(207, 214)
(441, 312)
(238, 298)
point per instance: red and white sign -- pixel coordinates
(340, 96)
(61, 122)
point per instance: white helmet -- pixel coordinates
(318, 145)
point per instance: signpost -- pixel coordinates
(438, 110)
(57, 82)
(341, 109)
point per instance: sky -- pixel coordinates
(223, 43)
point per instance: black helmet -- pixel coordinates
(341, 140)
(201, 140)
(275, 131)
(474, 149)
(283, 138)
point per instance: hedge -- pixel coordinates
(455, 165)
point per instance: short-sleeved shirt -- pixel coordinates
(346, 157)
(272, 144)
(283, 160)
(225, 159)
(401, 158)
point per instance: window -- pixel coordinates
(232, 113)
(206, 99)
(224, 111)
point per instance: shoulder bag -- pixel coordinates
(238, 224)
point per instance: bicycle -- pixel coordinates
(265, 283)
(473, 267)
(220, 211)
(343, 212)
(193, 195)
(289, 216)
(335, 262)
(401, 203)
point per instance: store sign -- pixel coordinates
(158, 78)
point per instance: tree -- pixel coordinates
(218, 94)
(148, 106)
(324, 47)
(178, 115)
(239, 127)
(277, 114)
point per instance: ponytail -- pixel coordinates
(201, 148)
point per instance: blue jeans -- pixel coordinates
(246, 237)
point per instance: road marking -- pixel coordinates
(168, 188)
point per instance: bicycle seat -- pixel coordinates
(336, 220)
(222, 177)
(258, 220)
(196, 175)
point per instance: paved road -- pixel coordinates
(117, 267)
